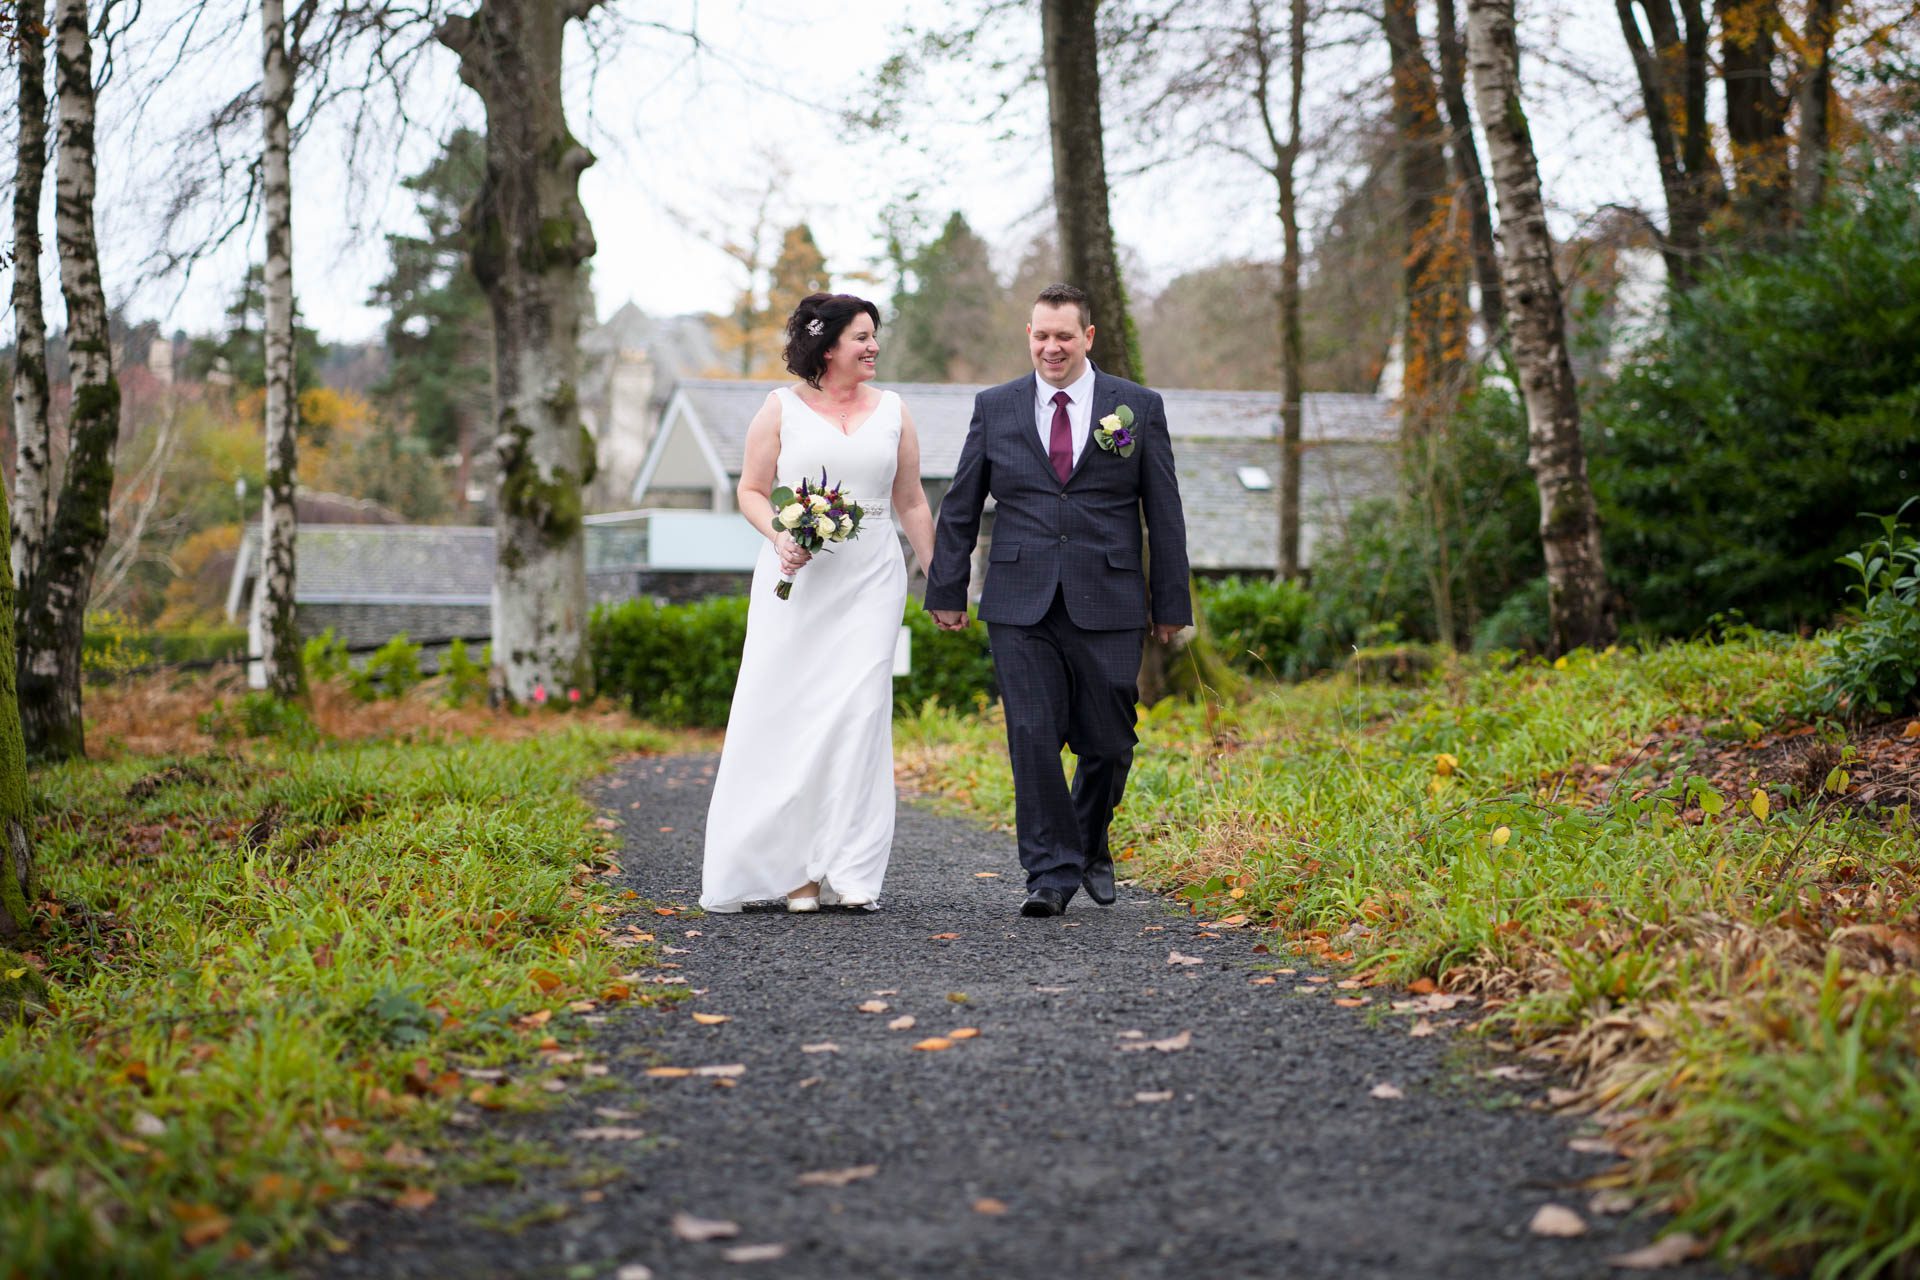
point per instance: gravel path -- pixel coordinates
(1267, 1156)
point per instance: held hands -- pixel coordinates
(950, 619)
(1164, 632)
(792, 554)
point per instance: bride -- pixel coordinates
(803, 801)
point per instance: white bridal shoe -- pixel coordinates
(798, 906)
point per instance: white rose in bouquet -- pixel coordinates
(790, 515)
(823, 525)
(846, 525)
(818, 503)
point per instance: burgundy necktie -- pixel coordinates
(1060, 444)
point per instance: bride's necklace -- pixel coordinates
(848, 411)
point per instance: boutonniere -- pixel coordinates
(1115, 432)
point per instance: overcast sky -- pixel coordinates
(685, 143)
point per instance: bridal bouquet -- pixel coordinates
(816, 515)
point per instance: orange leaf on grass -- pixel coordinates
(415, 1198)
(548, 981)
(1423, 986)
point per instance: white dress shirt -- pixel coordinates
(1079, 410)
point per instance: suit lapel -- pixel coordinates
(1027, 395)
(1106, 397)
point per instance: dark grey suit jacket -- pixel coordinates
(1083, 536)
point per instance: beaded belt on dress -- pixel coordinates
(877, 509)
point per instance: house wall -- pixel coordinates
(683, 466)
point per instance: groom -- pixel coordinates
(1066, 602)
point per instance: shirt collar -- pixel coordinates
(1079, 391)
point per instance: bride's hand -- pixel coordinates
(792, 554)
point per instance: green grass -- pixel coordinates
(265, 974)
(1667, 940)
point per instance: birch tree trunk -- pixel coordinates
(281, 654)
(17, 886)
(530, 236)
(1569, 526)
(1070, 43)
(1469, 174)
(33, 442)
(56, 605)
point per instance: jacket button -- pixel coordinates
(1063, 537)
(1063, 493)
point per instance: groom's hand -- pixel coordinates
(1164, 632)
(950, 619)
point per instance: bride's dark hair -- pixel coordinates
(815, 326)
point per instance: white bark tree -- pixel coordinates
(33, 443)
(530, 236)
(281, 656)
(1569, 525)
(57, 593)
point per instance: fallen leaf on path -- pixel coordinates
(609, 1133)
(754, 1253)
(1592, 1146)
(838, 1177)
(694, 933)
(726, 1072)
(711, 1019)
(1557, 1220)
(1132, 1034)
(634, 1271)
(963, 1033)
(934, 1044)
(957, 997)
(811, 1081)
(676, 951)
(825, 1046)
(1563, 1097)
(1171, 1044)
(1423, 986)
(873, 1006)
(1153, 928)
(1349, 984)
(415, 1198)
(1318, 978)
(1164, 1095)
(553, 1086)
(697, 1230)
(904, 1022)
(1354, 1002)
(1420, 1028)
(1389, 1092)
(889, 991)
(1175, 957)
(614, 1113)
(669, 1073)
(943, 937)
(1510, 1072)
(986, 875)
(989, 1206)
(1611, 1200)
(1052, 991)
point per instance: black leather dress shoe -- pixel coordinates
(1044, 902)
(1097, 879)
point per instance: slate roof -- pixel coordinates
(388, 564)
(1233, 528)
(941, 412)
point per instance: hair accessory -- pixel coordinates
(815, 327)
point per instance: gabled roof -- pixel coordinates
(1233, 527)
(941, 412)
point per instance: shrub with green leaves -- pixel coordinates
(1872, 667)
(389, 672)
(1257, 622)
(326, 656)
(677, 663)
(1729, 459)
(466, 680)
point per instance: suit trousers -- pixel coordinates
(1062, 685)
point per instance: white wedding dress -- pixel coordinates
(805, 788)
